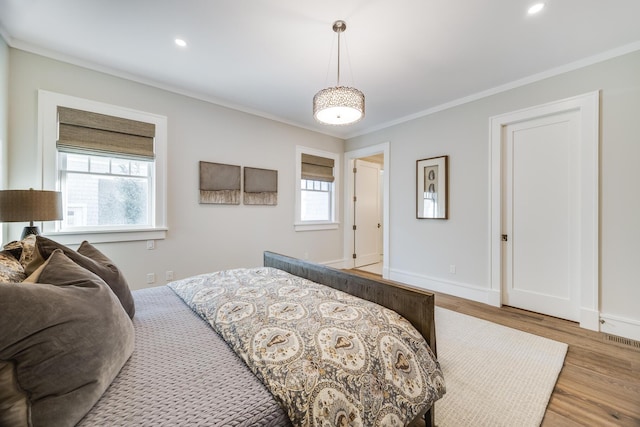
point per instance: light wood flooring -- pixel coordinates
(599, 384)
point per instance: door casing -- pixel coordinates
(349, 158)
(587, 106)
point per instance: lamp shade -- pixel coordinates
(338, 105)
(30, 205)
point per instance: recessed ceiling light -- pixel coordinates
(535, 8)
(181, 42)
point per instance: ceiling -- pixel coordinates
(269, 57)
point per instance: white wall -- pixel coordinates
(421, 251)
(201, 238)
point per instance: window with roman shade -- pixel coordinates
(106, 170)
(109, 162)
(316, 189)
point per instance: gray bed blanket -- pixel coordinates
(182, 373)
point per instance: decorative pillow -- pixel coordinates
(93, 260)
(23, 250)
(14, 248)
(10, 268)
(31, 259)
(61, 345)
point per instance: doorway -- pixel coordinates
(544, 222)
(367, 213)
(367, 208)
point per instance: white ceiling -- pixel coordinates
(269, 57)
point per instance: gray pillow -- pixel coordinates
(93, 260)
(112, 275)
(61, 345)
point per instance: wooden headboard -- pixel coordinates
(414, 304)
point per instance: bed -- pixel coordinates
(182, 373)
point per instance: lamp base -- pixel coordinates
(30, 230)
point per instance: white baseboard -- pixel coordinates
(462, 290)
(619, 326)
(495, 298)
(589, 319)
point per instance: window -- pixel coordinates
(109, 164)
(316, 200)
(105, 192)
(316, 189)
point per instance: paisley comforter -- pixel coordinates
(329, 358)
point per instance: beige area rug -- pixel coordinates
(495, 376)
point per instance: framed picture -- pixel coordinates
(260, 186)
(431, 183)
(219, 184)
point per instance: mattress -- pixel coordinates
(182, 373)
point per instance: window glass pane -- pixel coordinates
(77, 162)
(99, 164)
(120, 166)
(139, 168)
(96, 194)
(315, 206)
(99, 200)
(315, 200)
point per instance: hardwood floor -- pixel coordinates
(599, 384)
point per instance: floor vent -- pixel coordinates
(624, 341)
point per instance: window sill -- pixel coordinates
(107, 236)
(316, 226)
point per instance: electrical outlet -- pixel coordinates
(151, 278)
(452, 269)
(151, 244)
(168, 275)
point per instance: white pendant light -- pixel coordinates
(339, 105)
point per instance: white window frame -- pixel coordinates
(48, 103)
(333, 223)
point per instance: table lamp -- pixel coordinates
(30, 205)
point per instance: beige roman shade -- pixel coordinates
(317, 168)
(93, 133)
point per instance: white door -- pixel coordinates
(381, 212)
(367, 221)
(541, 215)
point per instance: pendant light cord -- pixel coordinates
(340, 31)
(339, 27)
